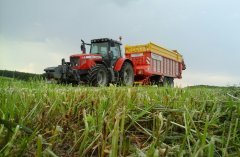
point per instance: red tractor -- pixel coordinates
(103, 65)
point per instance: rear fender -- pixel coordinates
(119, 63)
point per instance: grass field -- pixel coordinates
(39, 119)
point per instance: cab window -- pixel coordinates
(116, 53)
(100, 48)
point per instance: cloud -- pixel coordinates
(32, 56)
(122, 2)
(37, 34)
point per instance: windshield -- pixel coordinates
(100, 48)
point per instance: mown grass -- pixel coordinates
(39, 119)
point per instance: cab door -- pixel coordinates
(115, 53)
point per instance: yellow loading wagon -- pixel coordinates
(155, 63)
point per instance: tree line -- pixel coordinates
(20, 75)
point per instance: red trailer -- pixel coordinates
(154, 64)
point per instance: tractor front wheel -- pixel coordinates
(127, 74)
(98, 75)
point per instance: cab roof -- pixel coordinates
(105, 40)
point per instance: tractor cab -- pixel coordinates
(103, 50)
(109, 50)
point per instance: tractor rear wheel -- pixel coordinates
(127, 74)
(98, 75)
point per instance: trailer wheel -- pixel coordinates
(127, 74)
(168, 81)
(98, 75)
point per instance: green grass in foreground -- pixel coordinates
(39, 119)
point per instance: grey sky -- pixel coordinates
(37, 34)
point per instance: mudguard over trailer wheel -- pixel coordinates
(127, 74)
(98, 75)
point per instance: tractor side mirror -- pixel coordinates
(83, 48)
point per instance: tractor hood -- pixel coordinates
(84, 61)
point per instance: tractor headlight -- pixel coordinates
(140, 71)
